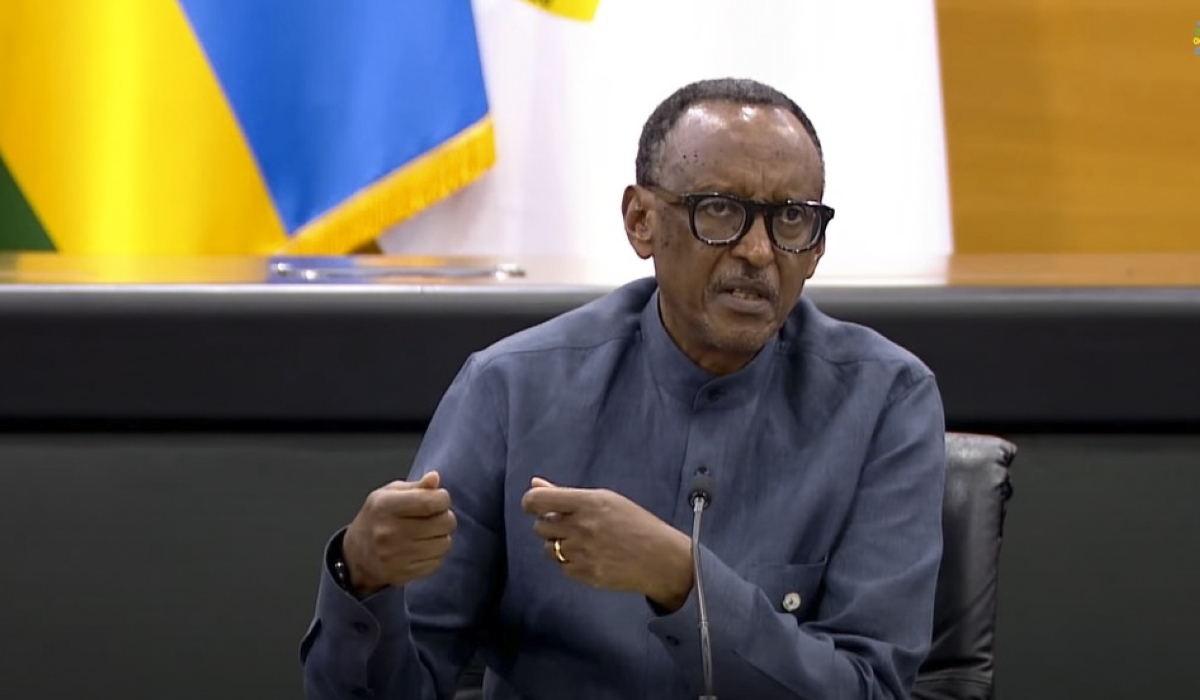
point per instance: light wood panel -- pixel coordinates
(1055, 270)
(1072, 125)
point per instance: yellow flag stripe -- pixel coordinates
(411, 188)
(118, 134)
(583, 10)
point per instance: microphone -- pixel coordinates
(701, 497)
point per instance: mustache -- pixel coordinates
(756, 281)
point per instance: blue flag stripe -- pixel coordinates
(334, 96)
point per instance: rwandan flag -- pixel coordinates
(164, 127)
(583, 10)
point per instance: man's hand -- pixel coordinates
(609, 541)
(400, 534)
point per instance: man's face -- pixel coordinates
(722, 304)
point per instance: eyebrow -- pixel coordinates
(733, 193)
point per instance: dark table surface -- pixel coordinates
(1015, 340)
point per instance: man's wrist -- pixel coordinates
(678, 576)
(353, 579)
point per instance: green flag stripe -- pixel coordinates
(19, 226)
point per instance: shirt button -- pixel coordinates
(716, 394)
(791, 602)
(361, 627)
(673, 640)
(360, 692)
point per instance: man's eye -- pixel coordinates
(716, 208)
(793, 215)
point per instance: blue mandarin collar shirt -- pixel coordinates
(820, 552)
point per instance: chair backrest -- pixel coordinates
(961, 663)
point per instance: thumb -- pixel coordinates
(430, 480)
(538, 482)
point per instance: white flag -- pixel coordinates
(569, 99)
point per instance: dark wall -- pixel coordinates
(1101, 569)
(183, 566)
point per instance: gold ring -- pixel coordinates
(558, 552)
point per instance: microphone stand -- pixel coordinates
(699, 501)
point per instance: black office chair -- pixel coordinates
(961, 663)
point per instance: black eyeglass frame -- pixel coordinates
(752, 207)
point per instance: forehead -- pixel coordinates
(755, 150)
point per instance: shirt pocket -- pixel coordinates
(794, 589)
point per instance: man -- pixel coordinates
(548, 528)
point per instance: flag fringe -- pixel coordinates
(399, 195)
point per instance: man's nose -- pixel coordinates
(755, 247)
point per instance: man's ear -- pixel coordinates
(638, 220)
(816, 258)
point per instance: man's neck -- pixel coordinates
(712, 360)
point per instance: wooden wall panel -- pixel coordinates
(1072, 125)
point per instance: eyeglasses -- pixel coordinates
(722, 220)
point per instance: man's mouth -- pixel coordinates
(748, 291)
(747, 297)
(746, 294)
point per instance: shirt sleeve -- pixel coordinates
(874, 622)
(413, 642)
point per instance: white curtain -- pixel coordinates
(569, 100)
